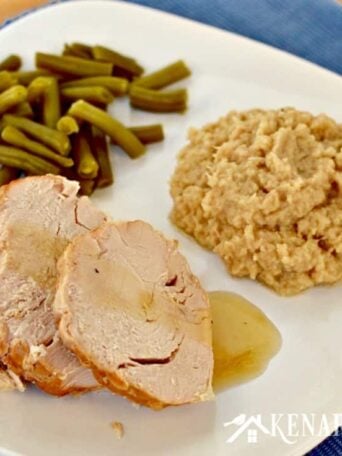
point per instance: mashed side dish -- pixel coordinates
(263, 189)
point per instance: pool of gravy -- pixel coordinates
(244, 340)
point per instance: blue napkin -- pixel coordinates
(311, 29)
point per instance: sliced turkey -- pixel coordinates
(131, 310)
(39, 216)
(9, 381)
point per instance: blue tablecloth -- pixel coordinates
(311, 29)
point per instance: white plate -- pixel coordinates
(229, 72)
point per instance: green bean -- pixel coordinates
(26, 77)
(52, 104)
(152, 100)
(46, 87)
(74, 66)
(123, 74)
(165, 76)
(118, 86)
(7, 80)
(15, 137)
(85, 49)
(148, 134)
(35, 90)
(100, 150)
(76, 50)
(67, 125)
(85, 163)
(93, 94)
(11, 63)
(124, 62)
(22, 110)
(7, 174)
(87, 186)
(12, 97)
(55, 139)
(67, 50)
(20, 159)
(112, 127)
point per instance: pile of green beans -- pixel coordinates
(54, 118)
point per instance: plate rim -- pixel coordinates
(309, 444)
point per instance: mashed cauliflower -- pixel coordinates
(263, 189)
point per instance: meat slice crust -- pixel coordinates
(39, 216)
(9, 381)
(130, 308)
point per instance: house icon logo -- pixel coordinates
(251, 426)
(285, 426)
